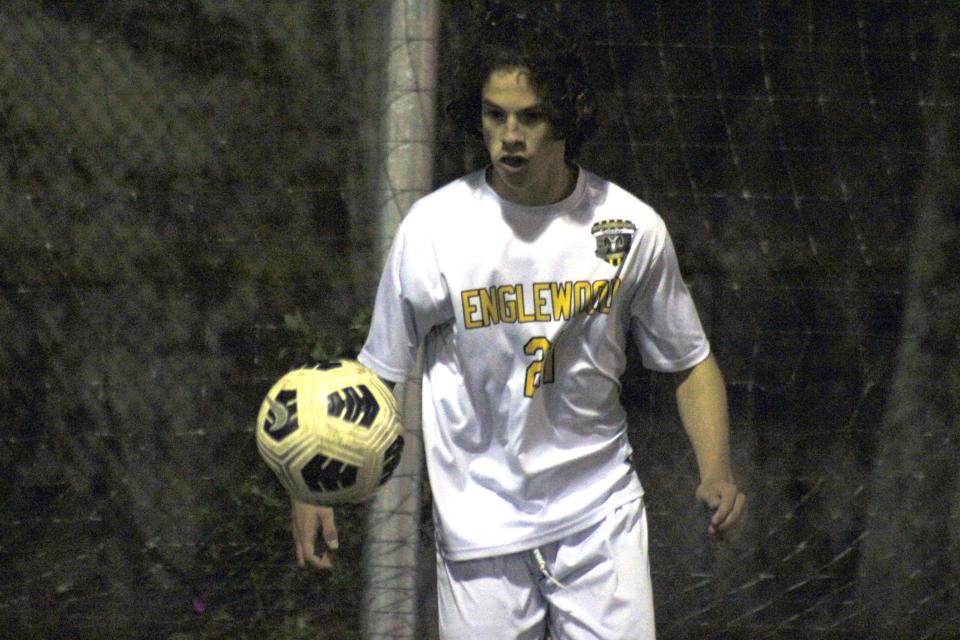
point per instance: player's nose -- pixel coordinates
(511, 130)
(512, 146)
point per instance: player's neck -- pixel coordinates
(538, 191)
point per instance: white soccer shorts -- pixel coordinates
(592, 585)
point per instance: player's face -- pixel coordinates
(528, 163)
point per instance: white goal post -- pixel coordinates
(405, 172)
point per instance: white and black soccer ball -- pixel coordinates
(331, 433)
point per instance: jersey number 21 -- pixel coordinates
(540, 370)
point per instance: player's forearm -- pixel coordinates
(702, 403)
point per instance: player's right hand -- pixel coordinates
(308, 521)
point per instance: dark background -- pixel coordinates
(185, 214)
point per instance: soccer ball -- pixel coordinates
(331, 433)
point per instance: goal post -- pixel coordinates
(405, 172)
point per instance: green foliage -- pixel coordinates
(170, 189)
(271, 597)
(311, 344)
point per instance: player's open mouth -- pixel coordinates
(514, 163)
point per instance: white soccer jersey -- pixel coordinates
(525, 313)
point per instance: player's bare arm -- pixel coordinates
(309, 522)
(702, 403)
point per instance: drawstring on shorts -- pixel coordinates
(542, 565)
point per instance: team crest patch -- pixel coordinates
(613, 239)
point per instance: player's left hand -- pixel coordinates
(727, 503)
(309, 520)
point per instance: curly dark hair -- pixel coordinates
(532, 37)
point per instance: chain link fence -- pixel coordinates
(186, 213)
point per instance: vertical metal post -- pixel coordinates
(405, 174)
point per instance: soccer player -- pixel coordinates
(522, 283)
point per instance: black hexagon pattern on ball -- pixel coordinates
(282, 419)
(324, 473)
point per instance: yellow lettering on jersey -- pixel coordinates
(470, 308)
(540, 314)
(488, 307)
(507, 297)
(581, 296)
(608, 299)
(600, 296)
(522, 314)
(540, 302)
(561, 297)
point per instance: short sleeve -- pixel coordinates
(664, 319)
(412, 299)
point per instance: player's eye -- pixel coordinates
(493, 114)
(532, 117)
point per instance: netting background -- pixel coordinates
(184, 215)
